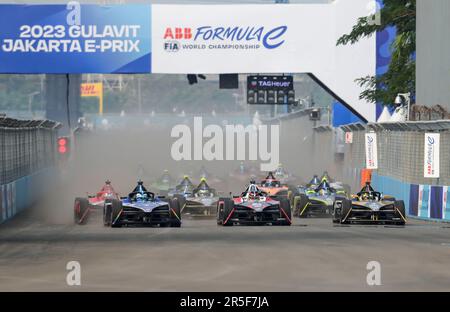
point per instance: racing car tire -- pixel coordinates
(182, 200)
(219, 214)
(227, 209)
(400, 206)
(116, 208)
(301, 205)
(346, 206)
(107, 213)
(291, 195)
(175, 208)
(286, 207)
(80, 213)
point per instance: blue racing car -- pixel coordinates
(142, 207)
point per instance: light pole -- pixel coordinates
(30, 100)
(404, 97)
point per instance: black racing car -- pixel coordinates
(369, 206)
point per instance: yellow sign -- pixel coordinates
(93, 90)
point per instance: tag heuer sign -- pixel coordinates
(274, 83)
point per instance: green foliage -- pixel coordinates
(400, 76)
(18, 91)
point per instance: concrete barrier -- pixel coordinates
(24, 192)
(425, 202)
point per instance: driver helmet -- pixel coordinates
(364, 196)
(315, 180)
(279, 170)
(141, 197)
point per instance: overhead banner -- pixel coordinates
(371, 151)
(431, 156)
(75, 39)
(269, 38)
(203, 39)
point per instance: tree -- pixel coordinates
(401, 75)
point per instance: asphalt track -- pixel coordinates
(311, 255)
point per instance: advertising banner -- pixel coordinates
(348, 137)
(431, 156)
(193, 39)
(75, 39)
(94, 89)
(371, 151)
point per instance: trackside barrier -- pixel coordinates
(23, 193)
(421, 201)
(27, 163)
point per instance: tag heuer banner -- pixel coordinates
(431, 156)
(371, 151)
(183, 39)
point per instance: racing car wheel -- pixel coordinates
(175, 212)
(401, 212)
(345, 210)
(116, 208)
(80, 210)
(301, 205)
(285, 212)
(224, 209)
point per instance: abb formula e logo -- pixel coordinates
(223, 38)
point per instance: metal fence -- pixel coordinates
(401, 147)
(26, 146)
(400, 150)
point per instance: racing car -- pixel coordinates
(284, 176)
(316, 199)
(203, 173)
(253, 206)
(274, 188)
(337, 185)
(242, 173)
(142, 207)
(83, 206)
(369, 206)
(195, 201)
(164, 183)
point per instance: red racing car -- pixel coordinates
(83, 206)
(254, 206)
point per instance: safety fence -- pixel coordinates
(400, 149)
(26, 147)
(27, 161)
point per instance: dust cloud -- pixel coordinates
(142, 150)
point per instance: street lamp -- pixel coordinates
(30, 100)
(404, 97)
